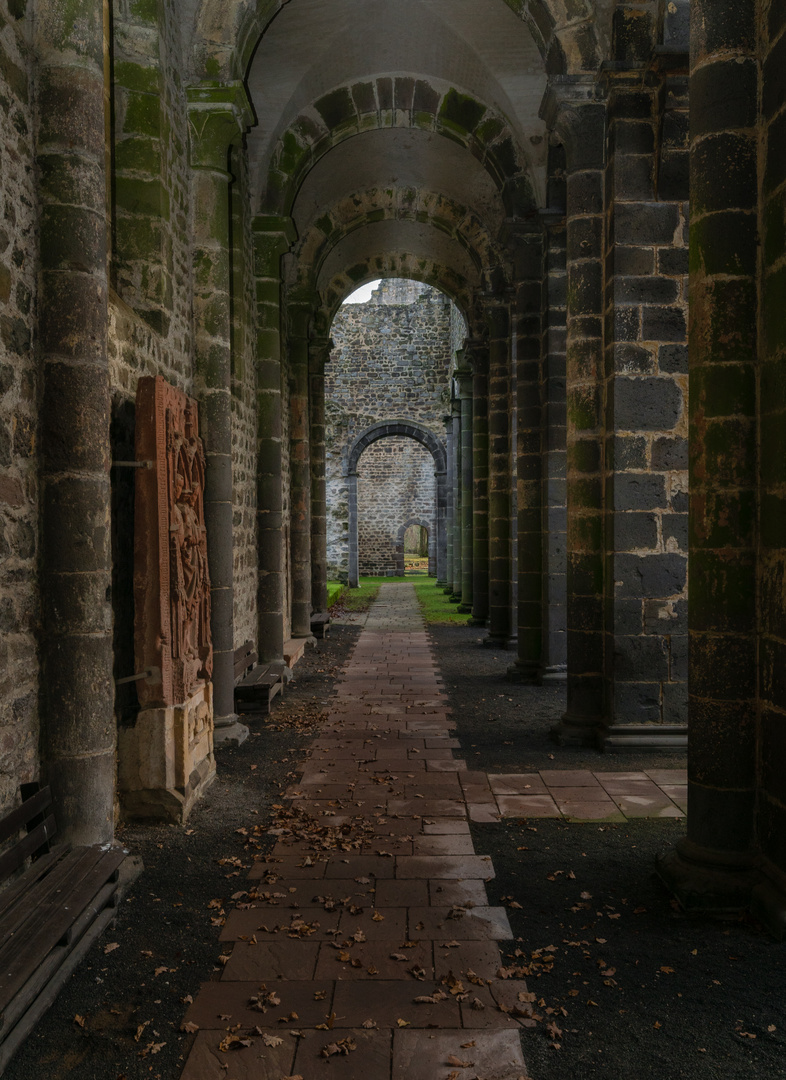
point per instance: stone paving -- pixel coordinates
(364, 945)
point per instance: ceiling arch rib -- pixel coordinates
(571, 36)
(398, 102)
(361, 209)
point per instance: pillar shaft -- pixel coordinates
(581, 122)
(464, 378)
(457, 536)
(77, 688)
(722, 354)
(318, 356)
(527, 329)
(272, 238)
(499, 481)
(449, 504)
(300, 471)
(479, 359)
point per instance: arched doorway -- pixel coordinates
(411, 430)
(415, 541)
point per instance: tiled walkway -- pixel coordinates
(364, 945)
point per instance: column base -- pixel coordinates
(455, 598)
(556, 673)
(465, 609)
(576, 731)
(440, 584)
(448, 590)
(475, 621)
(621, 737)
(229, 730)
(524, 672)
(506, 643)
(709, 881)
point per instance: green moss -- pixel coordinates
(144, 11)
(141, 196)
(357, 273)
(138, 77)
(138, 155)
(337, 108)
(461, 112)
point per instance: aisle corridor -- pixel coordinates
(364, 946)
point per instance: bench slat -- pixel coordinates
(18, 818)
(17, 888)
(46, 887)
(14, 858)
(82, 876)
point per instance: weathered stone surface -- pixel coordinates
(171, 578)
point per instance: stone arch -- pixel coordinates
(396, 102)
(432, 547)
(367, 208)
(572, 37)
(409, 429)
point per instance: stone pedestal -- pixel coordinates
(166, 760)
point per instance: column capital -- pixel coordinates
(574, 106)
(218, 114)
(319, 350)
(463, 377)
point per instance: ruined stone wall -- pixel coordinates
(19, 599)
(395, 486)
(390, 361)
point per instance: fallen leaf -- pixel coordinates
(453, 1060)
(80, 1020)
(402, 1023)
(188, 1026)
(111, 947)
(271, 1040)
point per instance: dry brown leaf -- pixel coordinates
(81, 1021)
(188, 1026)
(111, 947)
(271, 1040)
(453, 1060)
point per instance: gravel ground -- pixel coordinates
(647, 993)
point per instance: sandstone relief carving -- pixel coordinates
(171, 576)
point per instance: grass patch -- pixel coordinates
(334, 590)
(434, 604)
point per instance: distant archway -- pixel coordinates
(400, 562)
(412, 430)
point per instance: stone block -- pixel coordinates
(652, 576)
(165, 761)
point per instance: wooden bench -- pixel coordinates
(49, 915)
(320, 624)
(255, 684)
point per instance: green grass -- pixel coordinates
(433, 602)
(334, 590)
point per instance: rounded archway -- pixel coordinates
(411, 430)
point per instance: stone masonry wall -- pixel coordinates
(395, 487)
(390, 361)
(244, 443)
(19, 600)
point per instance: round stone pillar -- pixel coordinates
(218, 117)
(455, 595)
(571, 108)
(300, 468)
(319, 353)
(464, 380)
(712, 869)
(272, 239)
(449, 504)
(500, 625)
(77, 692)
(479, 362)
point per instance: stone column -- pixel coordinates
(571, 108)
(713, 868)
(441, 478)
(353, 575)
(553, 499)
(455, 595)
(479, 362)
(218, 117)
(319, 353)
(464, 379)
(273, 237)
(300, 468)
(528, 265)
(78, 733)
(449, 505)
(500, 465)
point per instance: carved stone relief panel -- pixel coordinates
(171, 579)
